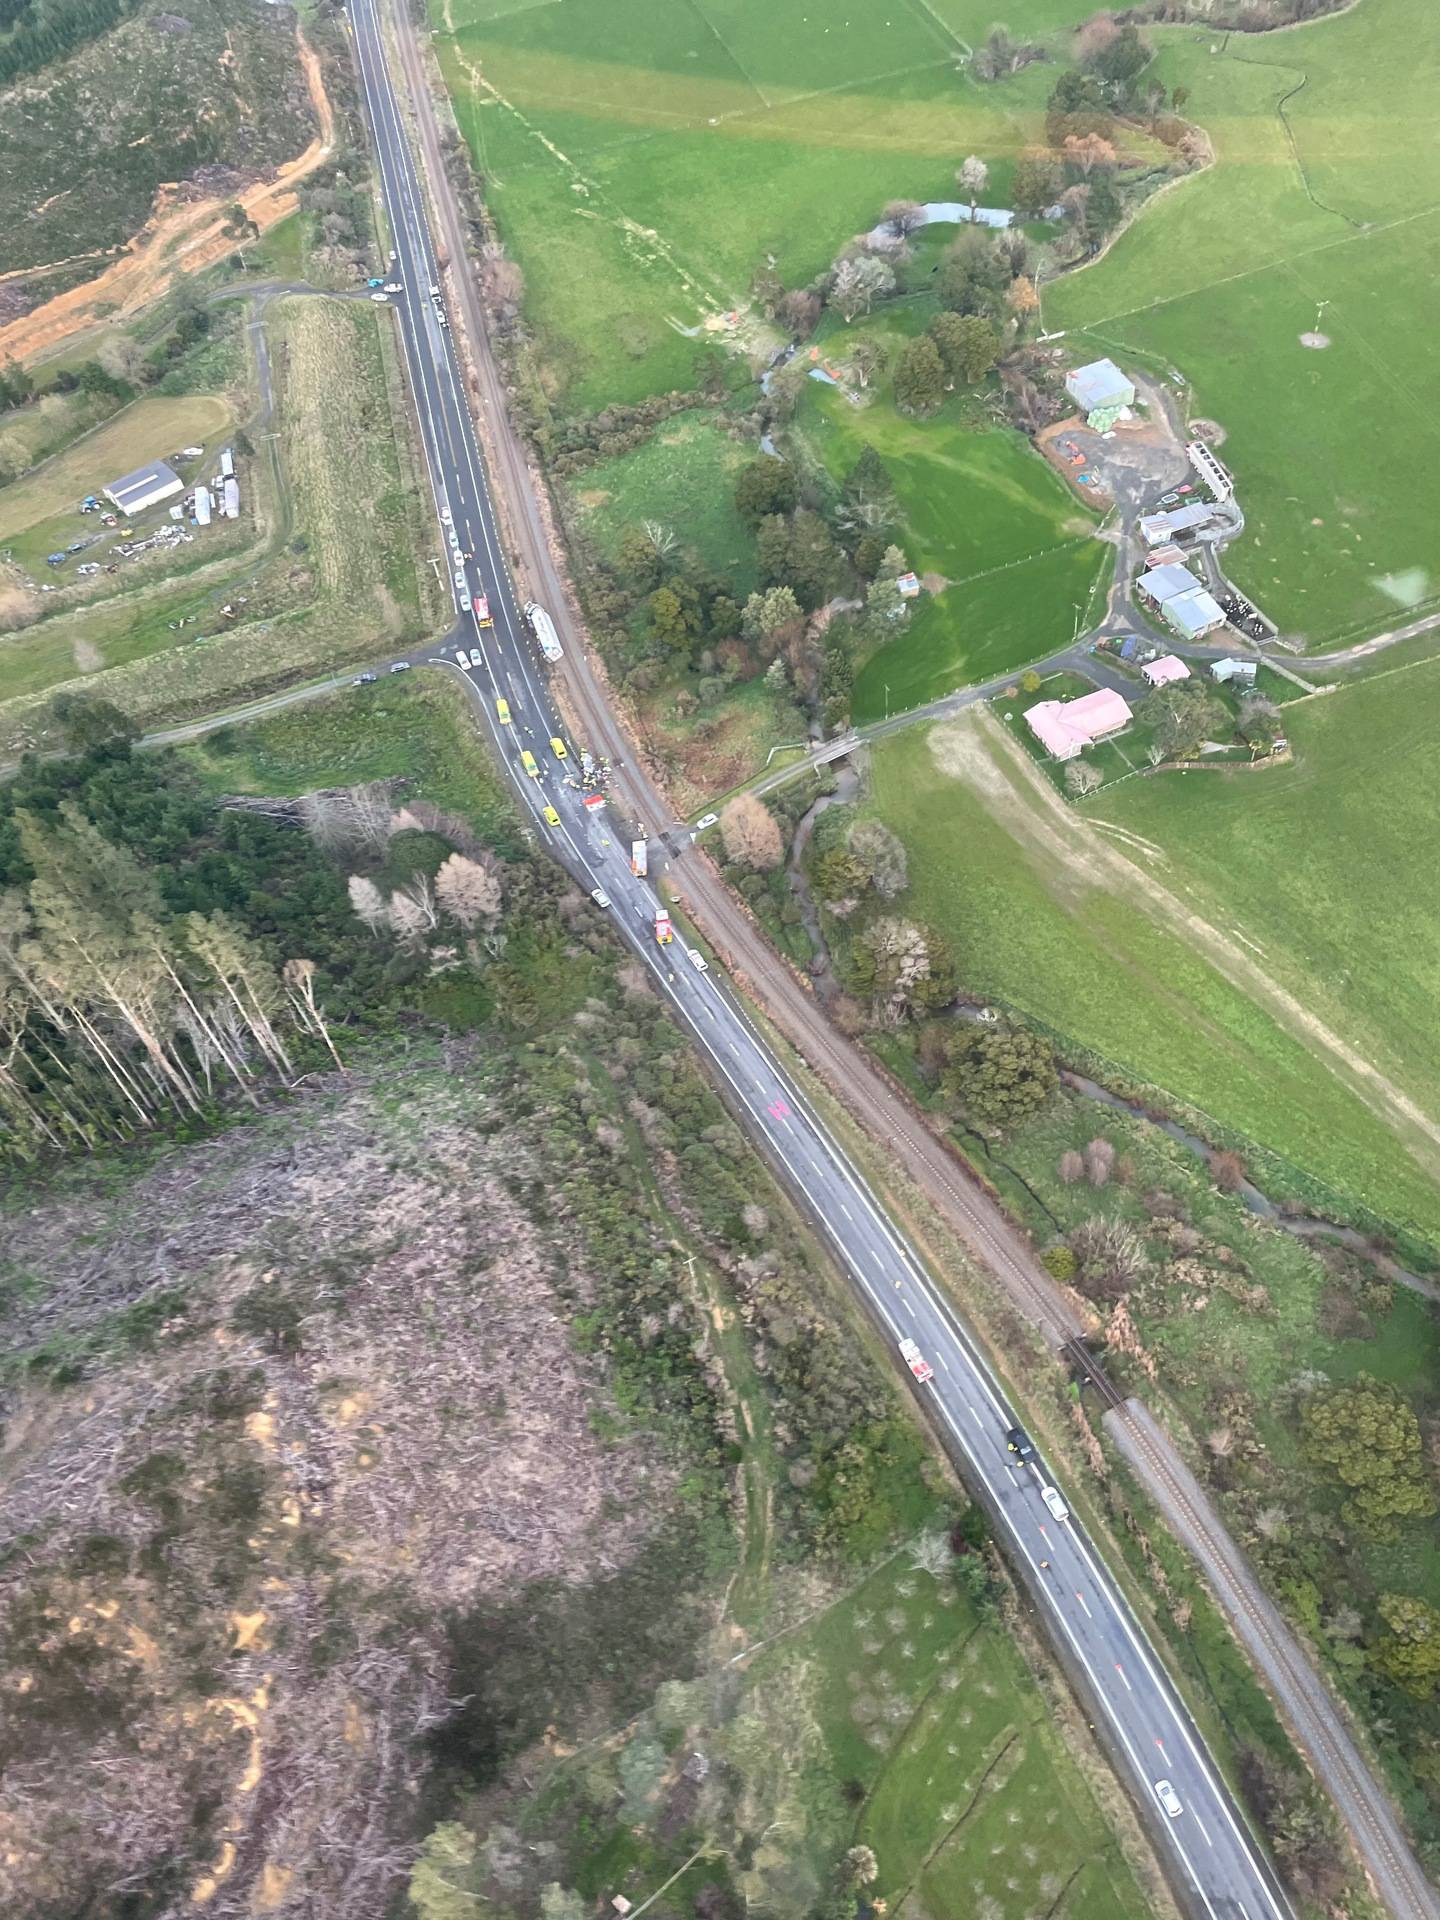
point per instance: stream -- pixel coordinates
(1303, 1226)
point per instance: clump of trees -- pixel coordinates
(128, 995)
(1367, 1437)
(998, 1075)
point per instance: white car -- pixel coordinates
(599, 896)
(1168, 1798)
(381, 299)
(697, 960)
(916, 1361)
(706, 820)
(445, 515)
(464, 603)
(477, 658)
(1057, 1506)
(401, 666)
(459, 576)
(462, 656)
(393, 286)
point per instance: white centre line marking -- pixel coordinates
(1121, 1671)
(1081, 1598)
(976, 1418)
(1204, 1829)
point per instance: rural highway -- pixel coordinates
(1215, 1864)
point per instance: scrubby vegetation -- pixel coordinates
(156, 97)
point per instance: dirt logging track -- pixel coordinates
(181, 236)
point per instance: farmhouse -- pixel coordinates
(136, 491)
(1157, 528)
(1234, 673)
(1102, 393)
(1190, 610)
(1066, 727)
(1165, 671)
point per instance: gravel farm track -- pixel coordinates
(1314, 1717)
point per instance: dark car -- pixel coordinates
(364, 679)
(1020, 1444)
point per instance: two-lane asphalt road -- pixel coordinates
(1215, 1863)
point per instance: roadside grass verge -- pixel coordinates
(417, 727)
(1046, 933)
(1296, 229)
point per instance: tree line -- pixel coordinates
(159, 955)
(35, 32)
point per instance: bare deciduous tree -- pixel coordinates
(368, 901)
(859, 280)
(751, 833)
(467, 890)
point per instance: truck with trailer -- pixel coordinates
(543, 627)
(639, 858)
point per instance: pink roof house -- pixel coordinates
(1166, 671)
(1065, 727)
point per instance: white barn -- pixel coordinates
(145, 487)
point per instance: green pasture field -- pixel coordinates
(1327, 865)
(684, 477)
(1037, 931)
(32, 433)
(644, 164)
(980, 510)
(896, 1717)
(1332, 225)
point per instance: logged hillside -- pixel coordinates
(384, 1396)
(171, 95)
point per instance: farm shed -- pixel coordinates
(1101, 391)
(230, 499)
(1190, 610)
(143, 488)
(1165, 671)
(1157, 528)
(1209, 469)
(202, 506)
(1066, 727)
(1235, 673)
